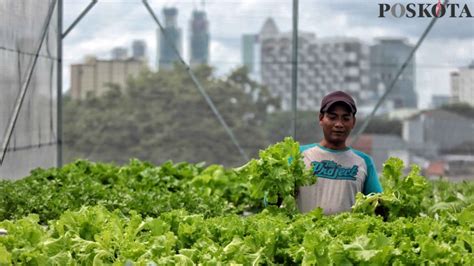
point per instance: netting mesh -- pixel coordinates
(119, 106)
(33, 142)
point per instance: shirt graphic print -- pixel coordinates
(341, 175)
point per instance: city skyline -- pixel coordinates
(451, 40)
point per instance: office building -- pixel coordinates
(438, 101)
(199, 40)
(462, 85)
(324, 65)
(166, 53)
(386, 58)
(93, 77)
(249, 43)
(119, 53)
(139, 50)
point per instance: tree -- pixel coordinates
(308, 131)
(463, 109)
(162, 116)
(381, 125)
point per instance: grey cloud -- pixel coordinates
(365, 14)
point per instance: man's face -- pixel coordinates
(337, 123)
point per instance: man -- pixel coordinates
(342, 171)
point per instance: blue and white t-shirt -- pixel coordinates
(341, 175)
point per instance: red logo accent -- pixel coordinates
(438, 8)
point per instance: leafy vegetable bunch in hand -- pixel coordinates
(402, 196)
(275, 176)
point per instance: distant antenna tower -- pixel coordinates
(203, 3)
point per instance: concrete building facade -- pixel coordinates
(383, 146)
(435, 130)
(324, 65)
(93, 77)
(462, 85)
(386, 58)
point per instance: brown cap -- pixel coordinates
(337, 96)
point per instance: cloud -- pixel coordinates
(224, 56)
(107, 26)
(365, 14)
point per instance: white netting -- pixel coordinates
(33, 142)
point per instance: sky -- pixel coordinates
(112, 23)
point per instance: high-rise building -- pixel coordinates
(269, 29)
(93, 77)
(139, 50)
(455, 86)
(324, 65)
(166, 54)
(438, 100)
(249, 43)
(462, 85)
(199, 43)
(119, 53)
(386, 58)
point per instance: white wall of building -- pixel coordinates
(462, 85)
(93, 77)
(324, 65)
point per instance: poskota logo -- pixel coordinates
(424, 10)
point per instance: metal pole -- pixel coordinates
(78, 19)
(294, 68)
(61, 36)
(59, 84)
(394, 81)
(21, 97)
(197, 84)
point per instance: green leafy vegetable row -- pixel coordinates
(140, 214)
(151, 190)
(96, 236)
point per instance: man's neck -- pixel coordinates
(333, 146)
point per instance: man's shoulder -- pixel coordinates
(363, 155)
(360, 153)
(307, 147)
